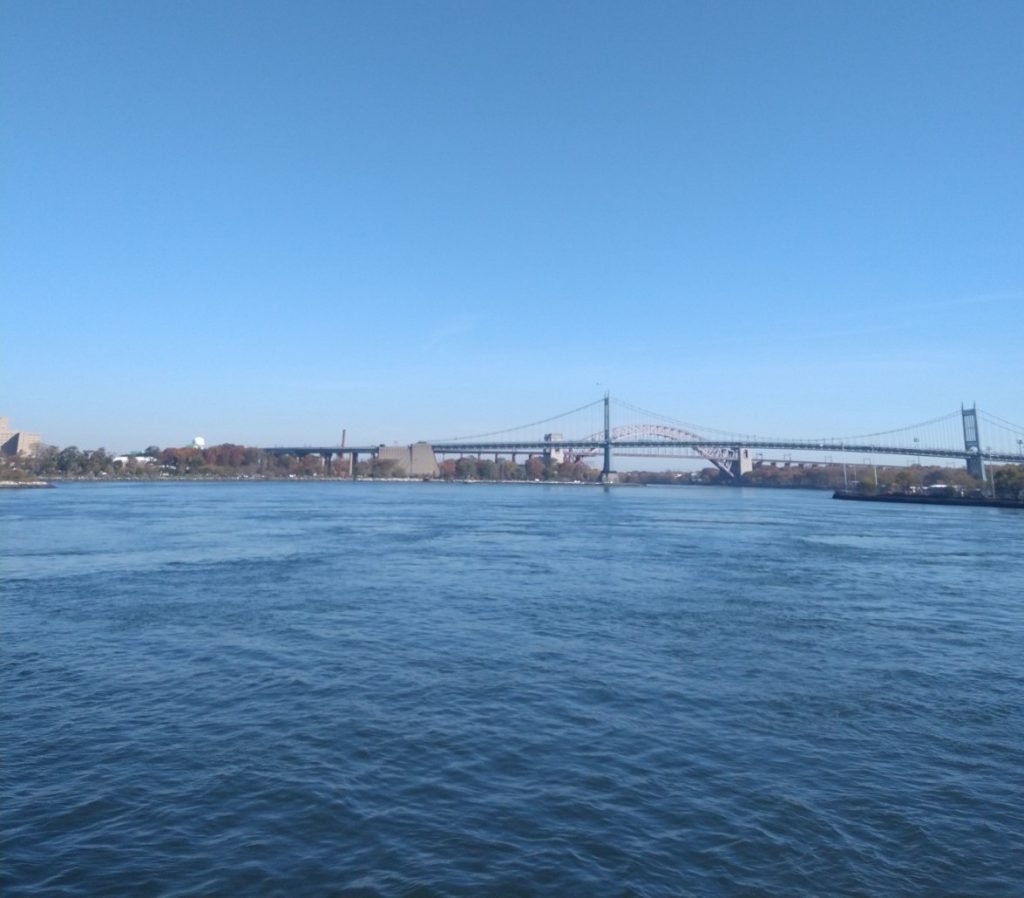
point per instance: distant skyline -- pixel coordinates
(266, 222)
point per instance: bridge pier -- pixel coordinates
(744, 463)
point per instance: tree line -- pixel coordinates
(232, 460)
(236, 461)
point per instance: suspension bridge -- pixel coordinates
(588, 432)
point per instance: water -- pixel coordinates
(477, 690)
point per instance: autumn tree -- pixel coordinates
(386, 467)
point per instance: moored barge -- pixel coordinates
(929, 499)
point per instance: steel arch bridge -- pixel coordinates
(658, 436)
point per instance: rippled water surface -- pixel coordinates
(476, 690)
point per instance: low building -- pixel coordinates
(17, 442)
(134, 459)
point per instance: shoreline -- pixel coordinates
(54, 481)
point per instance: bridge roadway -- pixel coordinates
(787, 445)
(539, 447)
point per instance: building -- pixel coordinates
(417, 460)
(17, 442)
(553, 454)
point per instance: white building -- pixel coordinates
(17, 442)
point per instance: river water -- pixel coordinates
(243, 689)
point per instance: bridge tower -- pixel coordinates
(606, 469)
(972, 442)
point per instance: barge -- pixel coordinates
(930, 499)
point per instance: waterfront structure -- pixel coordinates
(553, 454)
(17, 442)
(417, 460)
(733, 454)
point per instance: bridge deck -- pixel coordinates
(535, 446)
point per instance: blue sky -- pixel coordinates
(264, 222)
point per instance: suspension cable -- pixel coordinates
(862, 436)
(884, 433)
(995, 419)
(494, 433)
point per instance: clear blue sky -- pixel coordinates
(263, 222)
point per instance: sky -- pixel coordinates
(264, 222)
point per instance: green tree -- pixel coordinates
(97, 462)
(905, 478)
(1009, 481)
(486, 469)
(69, 460)
(465, 468)
(509, 470)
